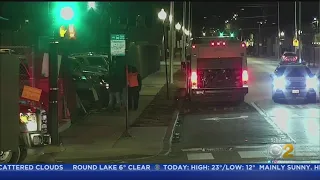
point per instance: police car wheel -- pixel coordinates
(10, 157)
(275, 100)
(312, 100)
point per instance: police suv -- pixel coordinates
(294, 81)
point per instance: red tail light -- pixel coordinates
(295, 58)
(193, 46)
(243, 45)
(224, 43)
(212, 44)
(245, 76)
(218, 43)
(194, 79)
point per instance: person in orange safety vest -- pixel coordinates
(134, 88)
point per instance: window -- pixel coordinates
(280, 71)
(299, 72)
(80, 60)
(96, 61)
(24, 74)
(290, 54)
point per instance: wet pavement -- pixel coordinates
(256, 131)
(246, 133)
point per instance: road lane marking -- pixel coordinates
(192, 149)
(250, 147)
(270, 121)
(229, 118)
(252, 154)
(300, 106)
(291, 106)
(215, 149)
(199, 156)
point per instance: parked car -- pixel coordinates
(91, 75)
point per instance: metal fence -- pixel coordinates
(27, 65)
(311, 55)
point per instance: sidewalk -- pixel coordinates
(98, 138)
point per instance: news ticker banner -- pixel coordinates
(160, 167)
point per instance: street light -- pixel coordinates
(162, 15)
(178, 26)
(91, 5)
(186, 32)
(282, 33)
(170, 18)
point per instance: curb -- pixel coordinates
(167, 140)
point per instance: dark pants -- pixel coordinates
(133, 97)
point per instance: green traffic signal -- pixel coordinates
(66, 12)
(221, 34)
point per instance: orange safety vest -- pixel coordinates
(133, 80)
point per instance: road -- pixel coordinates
(207, 133)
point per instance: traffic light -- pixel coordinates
(66, 12)
(231, 34)
(221, 34)
(72, 32)
(62, 31)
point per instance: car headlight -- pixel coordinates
(30, 120)
(83, 78)
(279, 83)
(312, 82)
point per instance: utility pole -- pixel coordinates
(278, 54)
(53, 94)
(259, 38)
(299, 33)
(319, 19)
(295, 24)
(190, 29)
(189, 23)
(183, 52)
(172, 31)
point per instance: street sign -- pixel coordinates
(118, 45)
(295, 43)
(31, 93)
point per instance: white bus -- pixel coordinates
(218, 69)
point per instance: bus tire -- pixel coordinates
(23, 154)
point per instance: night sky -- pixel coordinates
(213, 14)
(205, 14)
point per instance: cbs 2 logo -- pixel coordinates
(276, 150)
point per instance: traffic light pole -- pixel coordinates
(53, 126)
(299, 34)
